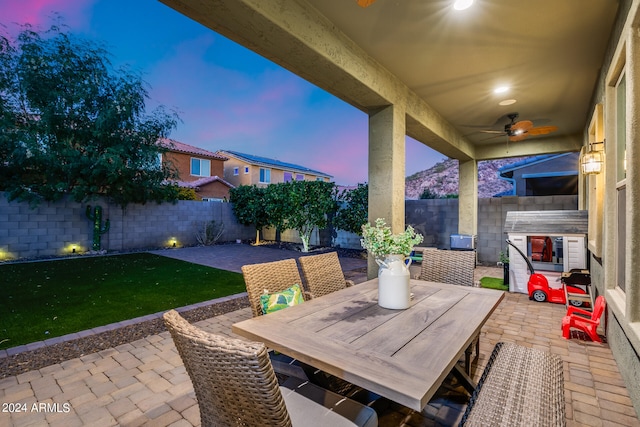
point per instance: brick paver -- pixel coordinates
(144, 382)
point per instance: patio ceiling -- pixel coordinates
(445, 62)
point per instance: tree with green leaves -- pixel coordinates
(277, 206)
(311, 202)
(71, 124)
(354, 211)
(249, 207)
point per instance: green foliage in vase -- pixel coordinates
(379, 241)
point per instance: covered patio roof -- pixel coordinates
(423, 69)
(441, 64)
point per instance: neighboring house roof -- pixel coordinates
(264, 161)
(506, 172)
(204, 181)
(503, 170)
(181, 147)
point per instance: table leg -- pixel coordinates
(464, 379)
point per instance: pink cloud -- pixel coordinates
(39, 13)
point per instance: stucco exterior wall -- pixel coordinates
(182, 162)
(622, 335)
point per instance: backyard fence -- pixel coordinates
(62, 228)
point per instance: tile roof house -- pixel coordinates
(247, 169)
(199, 169)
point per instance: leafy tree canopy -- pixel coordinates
(311, 202)
(354, 211)
(72, 124)
(248, 207)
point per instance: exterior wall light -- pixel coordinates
(592, 161)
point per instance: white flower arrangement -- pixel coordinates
(379, 240)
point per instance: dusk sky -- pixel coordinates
(227, 97)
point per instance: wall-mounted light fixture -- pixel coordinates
(592, 161)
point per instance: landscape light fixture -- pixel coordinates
(592, 161)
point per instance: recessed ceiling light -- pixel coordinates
(501, 89)
(462, 4)
(507, 102)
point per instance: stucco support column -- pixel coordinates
(632, 272)
(468, 197)
(386, 170)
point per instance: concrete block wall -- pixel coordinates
(54, 229)
(437, 220)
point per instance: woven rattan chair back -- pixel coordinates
(273, 276)
(233, 379)
(454, 267)
(323, 273)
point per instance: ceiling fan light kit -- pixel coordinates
(520, 130)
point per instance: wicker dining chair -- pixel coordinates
(323, 273)
(273, 277)
(456, 268)
(277, 276)
(235, 384)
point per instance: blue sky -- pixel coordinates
(227, 97)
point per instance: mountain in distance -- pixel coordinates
(442, 179)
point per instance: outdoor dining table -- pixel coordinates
(403, 355)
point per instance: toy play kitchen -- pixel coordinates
(550, 244)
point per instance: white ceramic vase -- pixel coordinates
(393, 282)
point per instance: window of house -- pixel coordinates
(621, 174)
(236, 171)
(246, 170)
(319, 179)
(299, 177)
(265, 176)
(594, 185)
(288, 176)
(200, 167)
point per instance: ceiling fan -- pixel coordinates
(365, 3)
(522, 129)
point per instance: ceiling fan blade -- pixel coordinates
(501, 132)
(521, 126)
(365, 3)
(542, 130)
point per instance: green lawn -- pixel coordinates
(47, 299)
(493, 283)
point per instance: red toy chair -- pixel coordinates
(584, 320)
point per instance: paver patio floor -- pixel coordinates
(145, 383)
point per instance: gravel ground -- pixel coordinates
(57, 353)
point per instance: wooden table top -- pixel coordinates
(403, 355)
